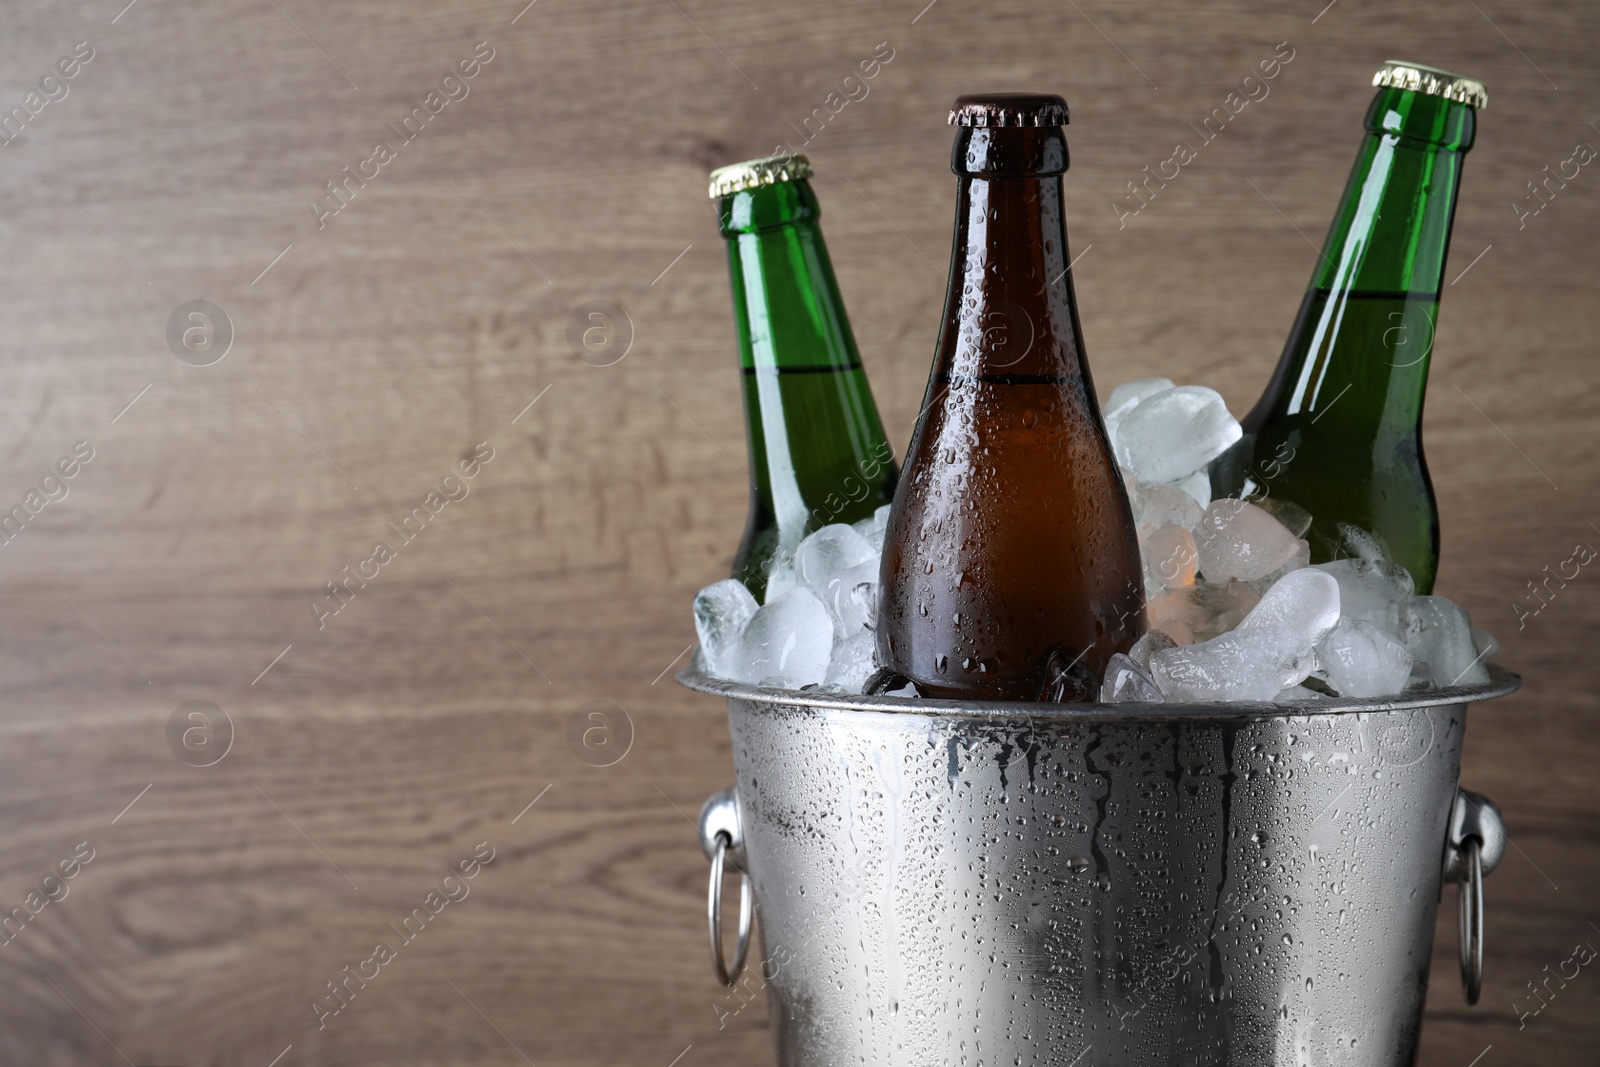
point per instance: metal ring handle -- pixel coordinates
(1469, 896)
(728, 975)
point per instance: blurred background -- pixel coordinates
(265, 787)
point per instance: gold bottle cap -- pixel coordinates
(1398, 74)
(753, 173)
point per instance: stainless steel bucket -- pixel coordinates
(954, 883)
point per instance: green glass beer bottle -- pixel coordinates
(1339, 429)
(818, 454)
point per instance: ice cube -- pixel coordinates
(1131, 485)
(780, 576)
(1201, 611)
(1175, 613)
(1372, 589)
(1485, 643)
(1171, 434)
(828, 553)
(787, 642)
(1127, 682)
(1152, 642)
(872, 528)
(1247, 664)
(1170, 556)
(1356, 543)
(1305, 601)
(1236, 539)
(853, 661)
(833, 563)
(1198, 487)
(1125, 397)
(852, 598)
(1223, 607)
(1302, 558)
(1296, 518)
(1152, 585)
(1438, 635)
(721, 611)
(1360, 659)
(1295, 694)
(1168, 505)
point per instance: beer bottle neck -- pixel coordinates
(1392, 229)
(1361, 346)
(786, 302)
(1009, 309)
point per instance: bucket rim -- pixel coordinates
(1501, 683)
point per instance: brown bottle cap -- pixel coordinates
(1009, 109)
(768, 170)
(1399, 74)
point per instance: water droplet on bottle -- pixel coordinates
(1029, 418)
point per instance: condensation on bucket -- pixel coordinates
(938, 889)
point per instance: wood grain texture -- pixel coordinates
(422, 319)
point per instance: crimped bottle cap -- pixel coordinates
(753, 173)
(1009, 109)
(1399, 74)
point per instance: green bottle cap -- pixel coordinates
(1399, 74)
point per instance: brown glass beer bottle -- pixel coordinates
(1011, 564)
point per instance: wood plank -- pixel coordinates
(374, 353)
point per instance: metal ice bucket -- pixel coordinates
(954, 883)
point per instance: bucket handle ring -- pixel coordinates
(722, 840)
(1473, 847)
(1470, 900)
(728, 975)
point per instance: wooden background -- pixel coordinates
(376, 351)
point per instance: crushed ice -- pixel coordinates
(1236, 609)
